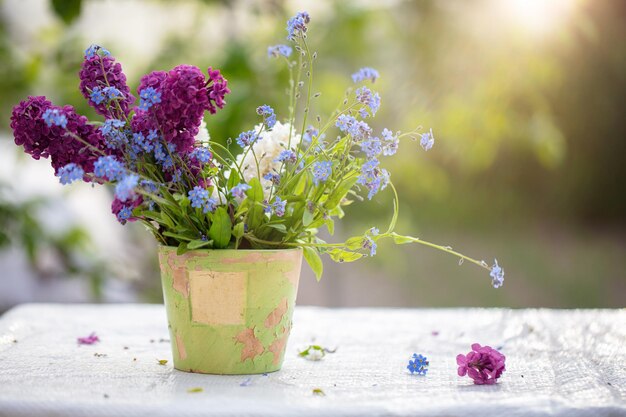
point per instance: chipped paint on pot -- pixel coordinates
(229, 311)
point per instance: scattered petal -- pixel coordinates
(89, 340)
(319, 392)
(194, 390)
(246, 382)
(162, 361)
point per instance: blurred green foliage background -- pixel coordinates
(527, 100)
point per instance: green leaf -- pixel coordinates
(401, 240)
(330, 224)
(277, 226)
(355, 242)
(198, 243)
(67, 10)
(233, 179)
(340, 192)
(307, 218)
(221, 228)
(340, 255)
(312, 257)
(255, 212)
(238, 230)
(182, 248)
(177, 236)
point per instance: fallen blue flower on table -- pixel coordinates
(419, 364)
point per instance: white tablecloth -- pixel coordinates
(559, 363)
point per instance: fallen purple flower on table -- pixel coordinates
(89, 340)
(246, 382)
(484, 364)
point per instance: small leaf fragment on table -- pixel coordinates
(162, 361)
(319, 392)
(314, 353)
(196, 389)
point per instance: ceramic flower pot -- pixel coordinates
(229, 311)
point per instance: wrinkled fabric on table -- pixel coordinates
(558, 363)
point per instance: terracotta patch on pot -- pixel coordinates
(180, 346)
(180, 282)
(278, 346)
(277, 314)
(252, 257)
(252, 347)
(218, 297)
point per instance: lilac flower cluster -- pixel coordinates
(483, 364)
(103, 78)
(59, 133)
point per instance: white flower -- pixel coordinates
(267, 148)
(203, 138)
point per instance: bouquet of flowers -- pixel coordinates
(274, 186)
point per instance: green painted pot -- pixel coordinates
(229, 311)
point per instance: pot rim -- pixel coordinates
(297, 248)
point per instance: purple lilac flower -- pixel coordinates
(297, 25)
(88, 340)
(57, 142)
(483, 364)
(198, 196)
(201, 154)
(247, 138)
(277, 207)
(218, 88)
(239, 190)
(321, 171)
(273, 177)
(100, 72)
(497, 275)
(418, 364)
(269, 118)
(125, 188)
(148, 97)
(287, 156)
(372, 147)
(365, 73)
(70, 173)
(109, 168)
(372, 100)
(427, 140)
(54, 117)
(123, 211)
(390, 142)
(279, 50)
(94, 50)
